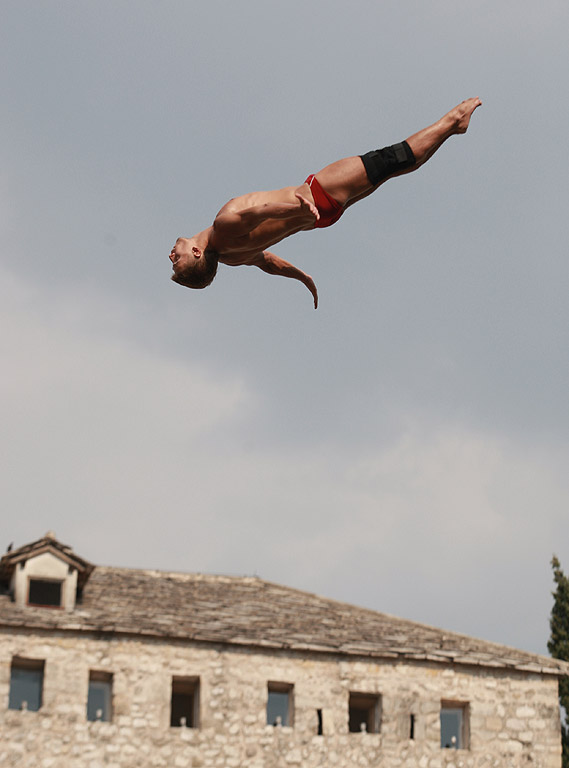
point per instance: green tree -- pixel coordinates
(558, 644)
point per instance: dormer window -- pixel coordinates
(45, 593)
(44, 574)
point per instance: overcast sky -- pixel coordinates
(406, 446)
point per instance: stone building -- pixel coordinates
(118, 668)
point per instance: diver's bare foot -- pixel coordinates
(461, 115)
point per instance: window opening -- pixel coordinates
(364, 713)
(100, 696)
(45, 593)
(279, 704)
(454, 725)
(26, 684)
(411, 727)
(320, 727)
(184, 709)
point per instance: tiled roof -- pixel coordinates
(247, 611)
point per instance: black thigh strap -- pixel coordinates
(382, 163)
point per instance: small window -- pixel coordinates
(319, 723)
(184, 709)
(454, 725)
(411, 727)
(364, 713)
(26, 684)
(280, 704)
(45, 593)
(100, 696)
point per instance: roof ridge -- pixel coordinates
(182, 574)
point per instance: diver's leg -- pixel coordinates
(353, 178)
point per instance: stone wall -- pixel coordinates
(513, 717)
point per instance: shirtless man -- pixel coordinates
(249, 224)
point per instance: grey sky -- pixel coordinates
(406, 446)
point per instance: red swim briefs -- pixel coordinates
(329, 209)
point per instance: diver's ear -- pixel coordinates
(197, 254)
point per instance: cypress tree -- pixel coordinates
(558, 644)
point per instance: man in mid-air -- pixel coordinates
(249, 224)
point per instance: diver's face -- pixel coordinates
(184, 252)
